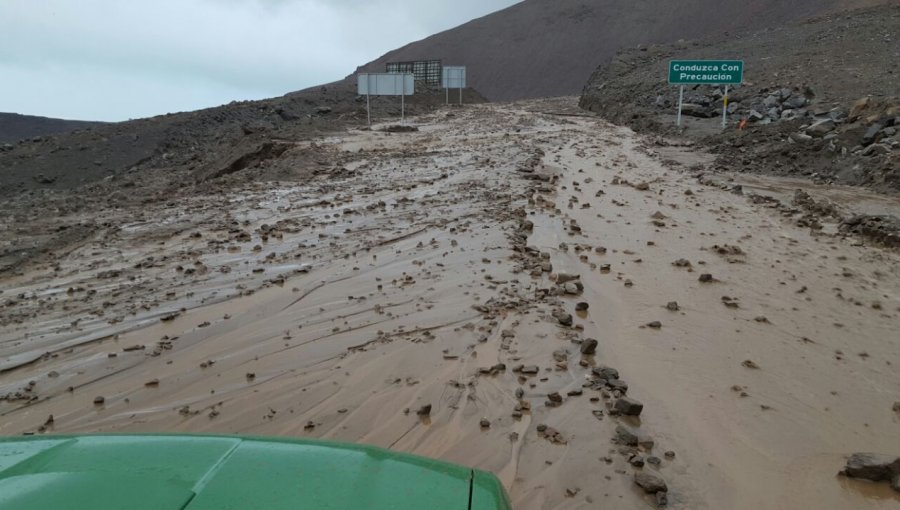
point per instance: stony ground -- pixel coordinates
(522, 288)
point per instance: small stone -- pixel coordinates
(750, 364)
(485, 423)
(99, 400)
(565, 319)
(650, 482)
(670, 455)
(706, 278)
(626, 436)
(654, 325)
(672, 306)
(589, 346)
(628, 406)
(582, 307)
(662, 499)
(872, 467)
(555, 397)
(424, 410)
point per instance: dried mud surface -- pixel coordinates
(437, 292)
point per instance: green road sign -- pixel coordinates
(707, 72)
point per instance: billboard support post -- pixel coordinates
(680, 102)
(725, 109)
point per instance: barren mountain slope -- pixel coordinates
(14, 127)
(539, 48)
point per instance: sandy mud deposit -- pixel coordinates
(520, 288)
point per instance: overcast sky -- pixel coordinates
(120, 59)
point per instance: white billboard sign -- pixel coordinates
(453, 77)
(386, 84)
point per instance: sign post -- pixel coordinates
(706, 72)
(454, 77)
(386, 84)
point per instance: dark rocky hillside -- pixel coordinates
(541, 48)
(15, 127)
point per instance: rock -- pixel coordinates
(696, 110)
(876, 149)
(750, 364)
(802, 138)
(896, 407)
(654, 325)
(626, 436)
(770, 102)
(530, 370)
(424, 410)
(485, 423)
(604, 372)
(582, 307)
(821, 128)
(589, 346)
(99, 400)
(560, 355)
(706, 278)
(323, 110)
(651, 483)
(795, 102)
(628, 406)
(571, 288)
(562, 278)
(872, 134)
(672, 306)
(555, 397)
(565, 319)
(872, 467)
(662, 499)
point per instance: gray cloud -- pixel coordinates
(112, 59)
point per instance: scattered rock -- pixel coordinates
(651, 483)
(589, 346)
(628, 406)
(424, 410)
(873, 467)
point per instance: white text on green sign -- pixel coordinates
(709, 72)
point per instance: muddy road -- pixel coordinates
(487, 291)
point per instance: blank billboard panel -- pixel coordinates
(386, 84)
(454, 77)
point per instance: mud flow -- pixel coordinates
(516, 287)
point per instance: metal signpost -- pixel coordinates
(386, 84)
(454, 77)
(706, 72)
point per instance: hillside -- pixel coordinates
(15, 127)
(539, 48)
(802, 119)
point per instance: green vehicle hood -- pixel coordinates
(158, 472)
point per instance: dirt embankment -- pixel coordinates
(821, 98)
(522, 288)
